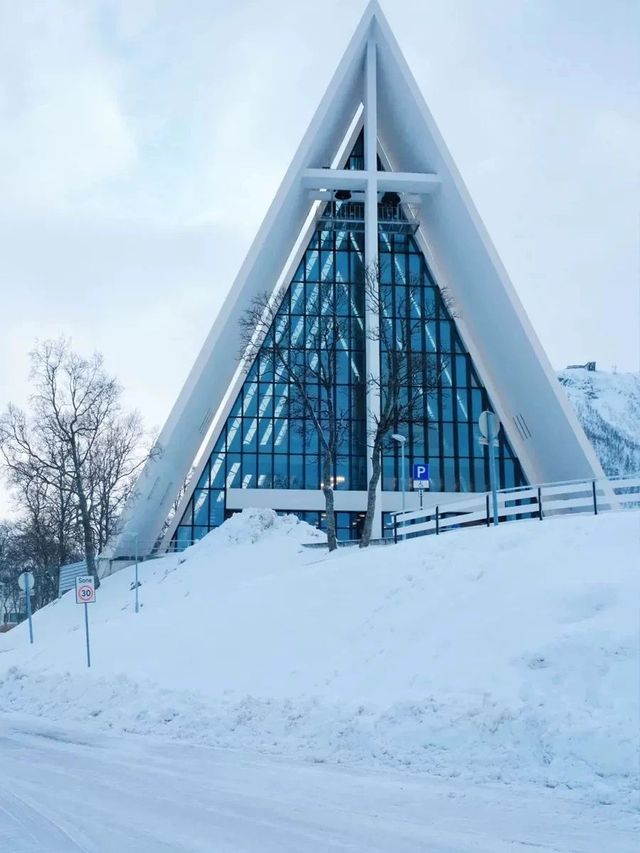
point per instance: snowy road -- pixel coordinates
(67, 789)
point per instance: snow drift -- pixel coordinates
(507, 654)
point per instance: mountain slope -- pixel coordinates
(608, 407)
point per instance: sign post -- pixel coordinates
(402, 440)
(26, 584)
(421, 478)
(86, 594)
(489, 426)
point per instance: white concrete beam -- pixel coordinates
(333, 179)
(327, 195)
(358, 195)
(419, 183)
(408, 182)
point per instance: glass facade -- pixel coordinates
(267, 443)
(444, 389)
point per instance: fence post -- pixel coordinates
(437, 520)
(395, 529)
(539, 503)
(595, 500)
(488, 515)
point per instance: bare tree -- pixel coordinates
(407, 375)
(303, 353)
(9, 571)
(47, 526)
(29, 544)
(111, 464)
(75, 448)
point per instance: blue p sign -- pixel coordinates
(421, 471)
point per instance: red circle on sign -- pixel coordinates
(85, 593)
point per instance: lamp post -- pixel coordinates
(489, 426)
(136, 575)
(135, 581)
(402, 440)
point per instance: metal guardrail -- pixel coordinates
(540, 501)
(348, 543)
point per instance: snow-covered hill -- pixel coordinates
(608, 407)
(505, 654)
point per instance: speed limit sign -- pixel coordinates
(85, 589)
(86, 594)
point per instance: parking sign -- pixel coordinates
(420, 475)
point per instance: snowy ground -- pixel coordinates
(70, 789)
(486, 663)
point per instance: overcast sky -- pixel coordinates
(141, 142)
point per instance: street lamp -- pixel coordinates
(137, 606)
(136, 575)
(402, 440)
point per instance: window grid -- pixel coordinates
(446, 435)
(261, 446)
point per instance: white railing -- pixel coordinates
(541, 501)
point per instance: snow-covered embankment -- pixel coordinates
(508, 654)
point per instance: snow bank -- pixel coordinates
(507, 654)
(258, 525)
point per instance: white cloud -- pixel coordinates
(64, 130)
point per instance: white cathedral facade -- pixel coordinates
(372, 186)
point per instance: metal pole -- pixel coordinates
(492, 471)
(595, 500)
(86, 630)
(137, 600)
(420, 493)
(28, 597)
(540, 503)
(403, 486)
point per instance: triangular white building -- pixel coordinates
(371, 135)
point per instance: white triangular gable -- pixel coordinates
(537, 418)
